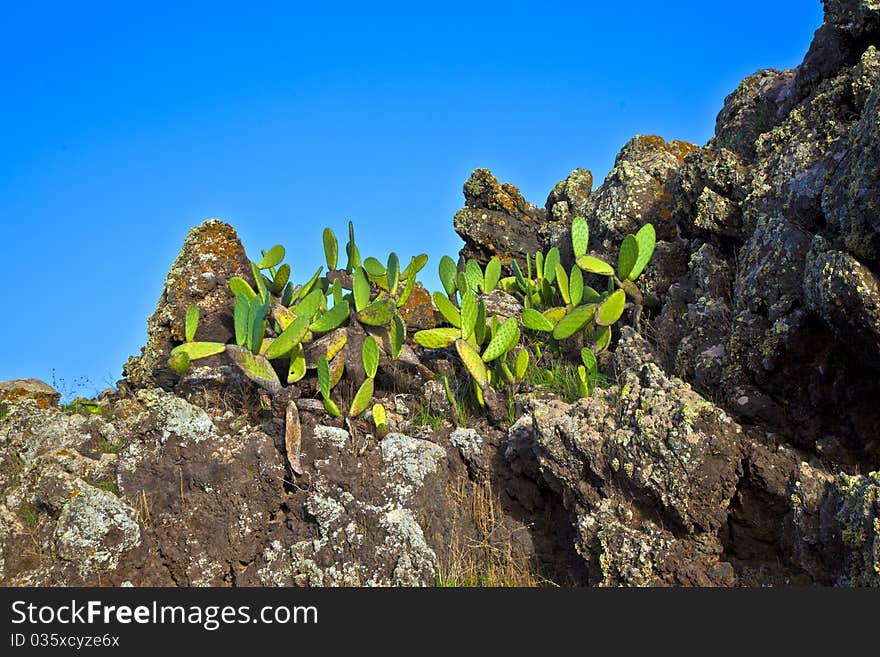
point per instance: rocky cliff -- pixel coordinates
(739, 442)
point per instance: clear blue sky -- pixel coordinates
(125, 125)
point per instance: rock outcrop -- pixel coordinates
(736, 443)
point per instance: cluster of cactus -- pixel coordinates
(308, 326)
(487, 347)
(557, 303)
(280, 326)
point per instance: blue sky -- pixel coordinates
(123, 126)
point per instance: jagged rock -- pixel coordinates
(762, 294)
(850, 202)
(418, 312)
(501, 304)
(797, 158)
(752, 110)
(708, 191)
(647, 473)
(635, 192)
(567, 200)
(211, 255)
(848, 27)
(28, 391)
(845, 294)
(497, 220)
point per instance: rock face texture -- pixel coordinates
(211, 255)
(736, 445)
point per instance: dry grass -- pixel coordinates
(487, 560)
(142, 506)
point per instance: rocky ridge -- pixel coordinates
(738, 444)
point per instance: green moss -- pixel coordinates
(107, 446)
(28, 515)
(108, 485)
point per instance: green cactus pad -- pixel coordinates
(310, 305)
(580, 236)
(474, 275)
(257, 322)
(378, 313)
(192, 322)
(284, 317)
(336, 291)
(447, 309)
(554, 314)
(505, 339)
(308, 287)
(591, 295)
(550, 263)
(472, 361)
(396, 336)
(362, 398)
(573, 322)
(629, 254)
(539, 265)
(448, 271)
(449, 396)
(238, 286)
(331, 249)
(589, 360)
(480, 324)
(271, 258)
(256, 368)
(595, 266)
(393, 272)
(520, 278)
(282, 276)
(262, 289)
(179, 362)
(611, 309)
(297, 370)
(602, 338)
(380, 417)
(240, 315)
(331, 407)
(437, 338)
(324, 376)
(337, 369)
(468, 314)
(522, 363)
(351, 250)
(287, 294)
(535, 321)
(370, 356)
(360, 289)
(647, 241)
(289, 338)
(562, 283)
(407, 291)
(583, 385)
(374, 268)
(576, 286)
(331, 319)
(416, 264)
(493, 274)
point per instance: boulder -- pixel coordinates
(211, 255)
